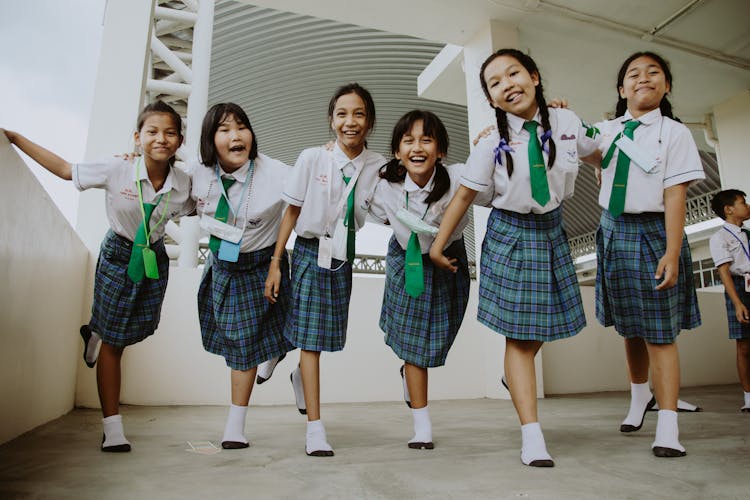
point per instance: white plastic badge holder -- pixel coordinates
(636, 154)
(414, 223)
(221, 230)
(325, 251)
(747, 282)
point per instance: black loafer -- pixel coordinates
(406, 388)
(86, 336)
(259, 380)
(421, 446)
(542, 463)
(320, 453)
(664, 452)
(234, 445)
(118, 448)
(633, 428)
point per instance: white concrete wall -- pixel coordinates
(594, 360)
(42, 264)
(732, 123)
(171, 367)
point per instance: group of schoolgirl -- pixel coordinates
(254, 306)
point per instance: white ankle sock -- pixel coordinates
(92, 347)
(114, 434)
(234, 430)
(667, 431)
(299, 392)
(640, 395)
(747, 400)
(265, 369)
(533, 446)
(422, 425)
(316, 439)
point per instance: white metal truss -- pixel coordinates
(178, 69)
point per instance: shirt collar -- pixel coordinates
(647, 119)
(239, 175)
(340, 159)
(411, 187)
(165, 188)
(734, 229)
(516, 122)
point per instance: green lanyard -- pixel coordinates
(143, 212)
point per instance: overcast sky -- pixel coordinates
(47, 75)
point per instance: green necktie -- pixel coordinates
(413, 268)
(351, 230)
(620, 182)
(136, 267)
(222, 212)
(537, 169)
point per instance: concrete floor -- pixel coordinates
(476, 455)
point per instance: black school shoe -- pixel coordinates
(259, 380)
(118, 448)
(633, 428)
(664, 452)
(421, 446)
(86, 336)
(234, 445)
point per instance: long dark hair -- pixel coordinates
(432, 126)
(622, 104)
(211, 123)
(502, 119)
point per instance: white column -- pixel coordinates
(732, 119)
(198, 101)
(118, 98)
(190, 233)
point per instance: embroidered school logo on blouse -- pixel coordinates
(129, 194)
(566, 137)
(253, 222)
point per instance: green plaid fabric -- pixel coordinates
(237, 322)
(628, 249)
(528, 288)
(124, 312)
(319, 312)
(421, 330)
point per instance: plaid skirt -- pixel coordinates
(736, 329)
(123, 312)
(421, 330)
(528, 288)
(319, 312)
(628, 249)
(237, 322)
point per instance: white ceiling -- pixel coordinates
(283, 66)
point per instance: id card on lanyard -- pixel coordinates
(229, 248)
(150, 264)
(326, 241)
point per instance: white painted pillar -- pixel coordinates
(198, 101)
(190, 233)
(732, 119)
(118, 98)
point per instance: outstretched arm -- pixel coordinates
(453, 214)
(273, 281)
(42, 156)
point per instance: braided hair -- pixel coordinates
(432, 126)
(501, 116)
(622, 103)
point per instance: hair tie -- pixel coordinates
(502, 146)
(546, 137)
